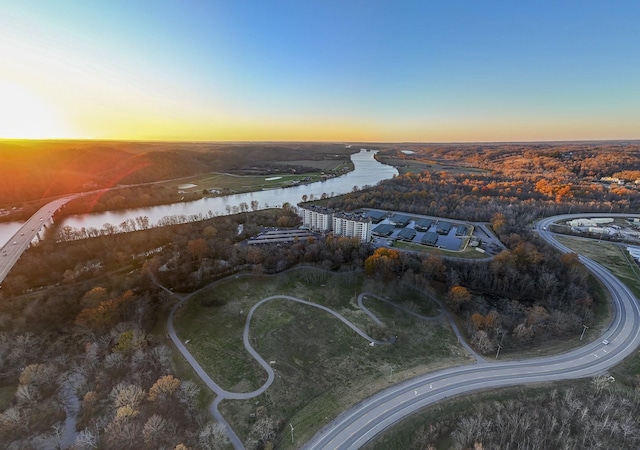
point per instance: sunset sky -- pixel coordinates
(368, 70)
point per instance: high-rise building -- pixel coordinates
(352, 225)
(316, 218)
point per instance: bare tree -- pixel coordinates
(125, 394)
(213, 436)
(85, 440)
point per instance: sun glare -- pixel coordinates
(23, 115)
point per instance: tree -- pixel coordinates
(210, 232)
(213, 436)
(482, 342)
(262, 432)
(498, 222)
(458, 296)
(125, 394)
(158, 431)
(198, 248)
(384, 262)
(163, 389)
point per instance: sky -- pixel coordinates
(338, 71)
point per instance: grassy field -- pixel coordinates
(321, 365)
(234, 184)
(467, 253)
(610, 255)
(416, 166)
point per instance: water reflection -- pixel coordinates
(367, 172)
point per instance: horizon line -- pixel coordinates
(186, 141)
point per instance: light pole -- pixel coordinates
(291, 425)
(390, 374)
(584, 328)
(500, 345)
(498, 352)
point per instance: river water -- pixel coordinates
(367, 172)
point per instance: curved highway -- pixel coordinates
(222, 394)
(356, 426)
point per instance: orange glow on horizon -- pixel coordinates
(25, 115)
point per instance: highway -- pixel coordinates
(361, 423)
(19, 242)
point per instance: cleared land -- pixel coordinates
(409, 165)
(613, 256)
(321, 365)
(236, 184)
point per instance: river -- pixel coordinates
(367, 172)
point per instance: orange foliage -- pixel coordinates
(384, 262)
(108, 313)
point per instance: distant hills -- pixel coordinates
(34, 170)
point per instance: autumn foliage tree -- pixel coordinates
(457, 296)
(108, 313)
(385, 262)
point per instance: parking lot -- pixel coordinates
(433, 232)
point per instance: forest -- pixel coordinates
(81, 320)
(33, 172)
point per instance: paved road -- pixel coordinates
(356, 426)
(222, 394)
(19, 242)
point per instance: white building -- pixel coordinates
(352, 225)
(316, 218)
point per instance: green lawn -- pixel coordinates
(610, 255)
(321, 365)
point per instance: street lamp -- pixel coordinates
(584, 328)
(500, 344)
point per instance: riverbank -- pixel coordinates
(368, 171)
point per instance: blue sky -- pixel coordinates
(307, 70)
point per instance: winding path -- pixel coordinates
(358, 425)
(223, 394)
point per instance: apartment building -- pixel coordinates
(316, 218)
(352, 225)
